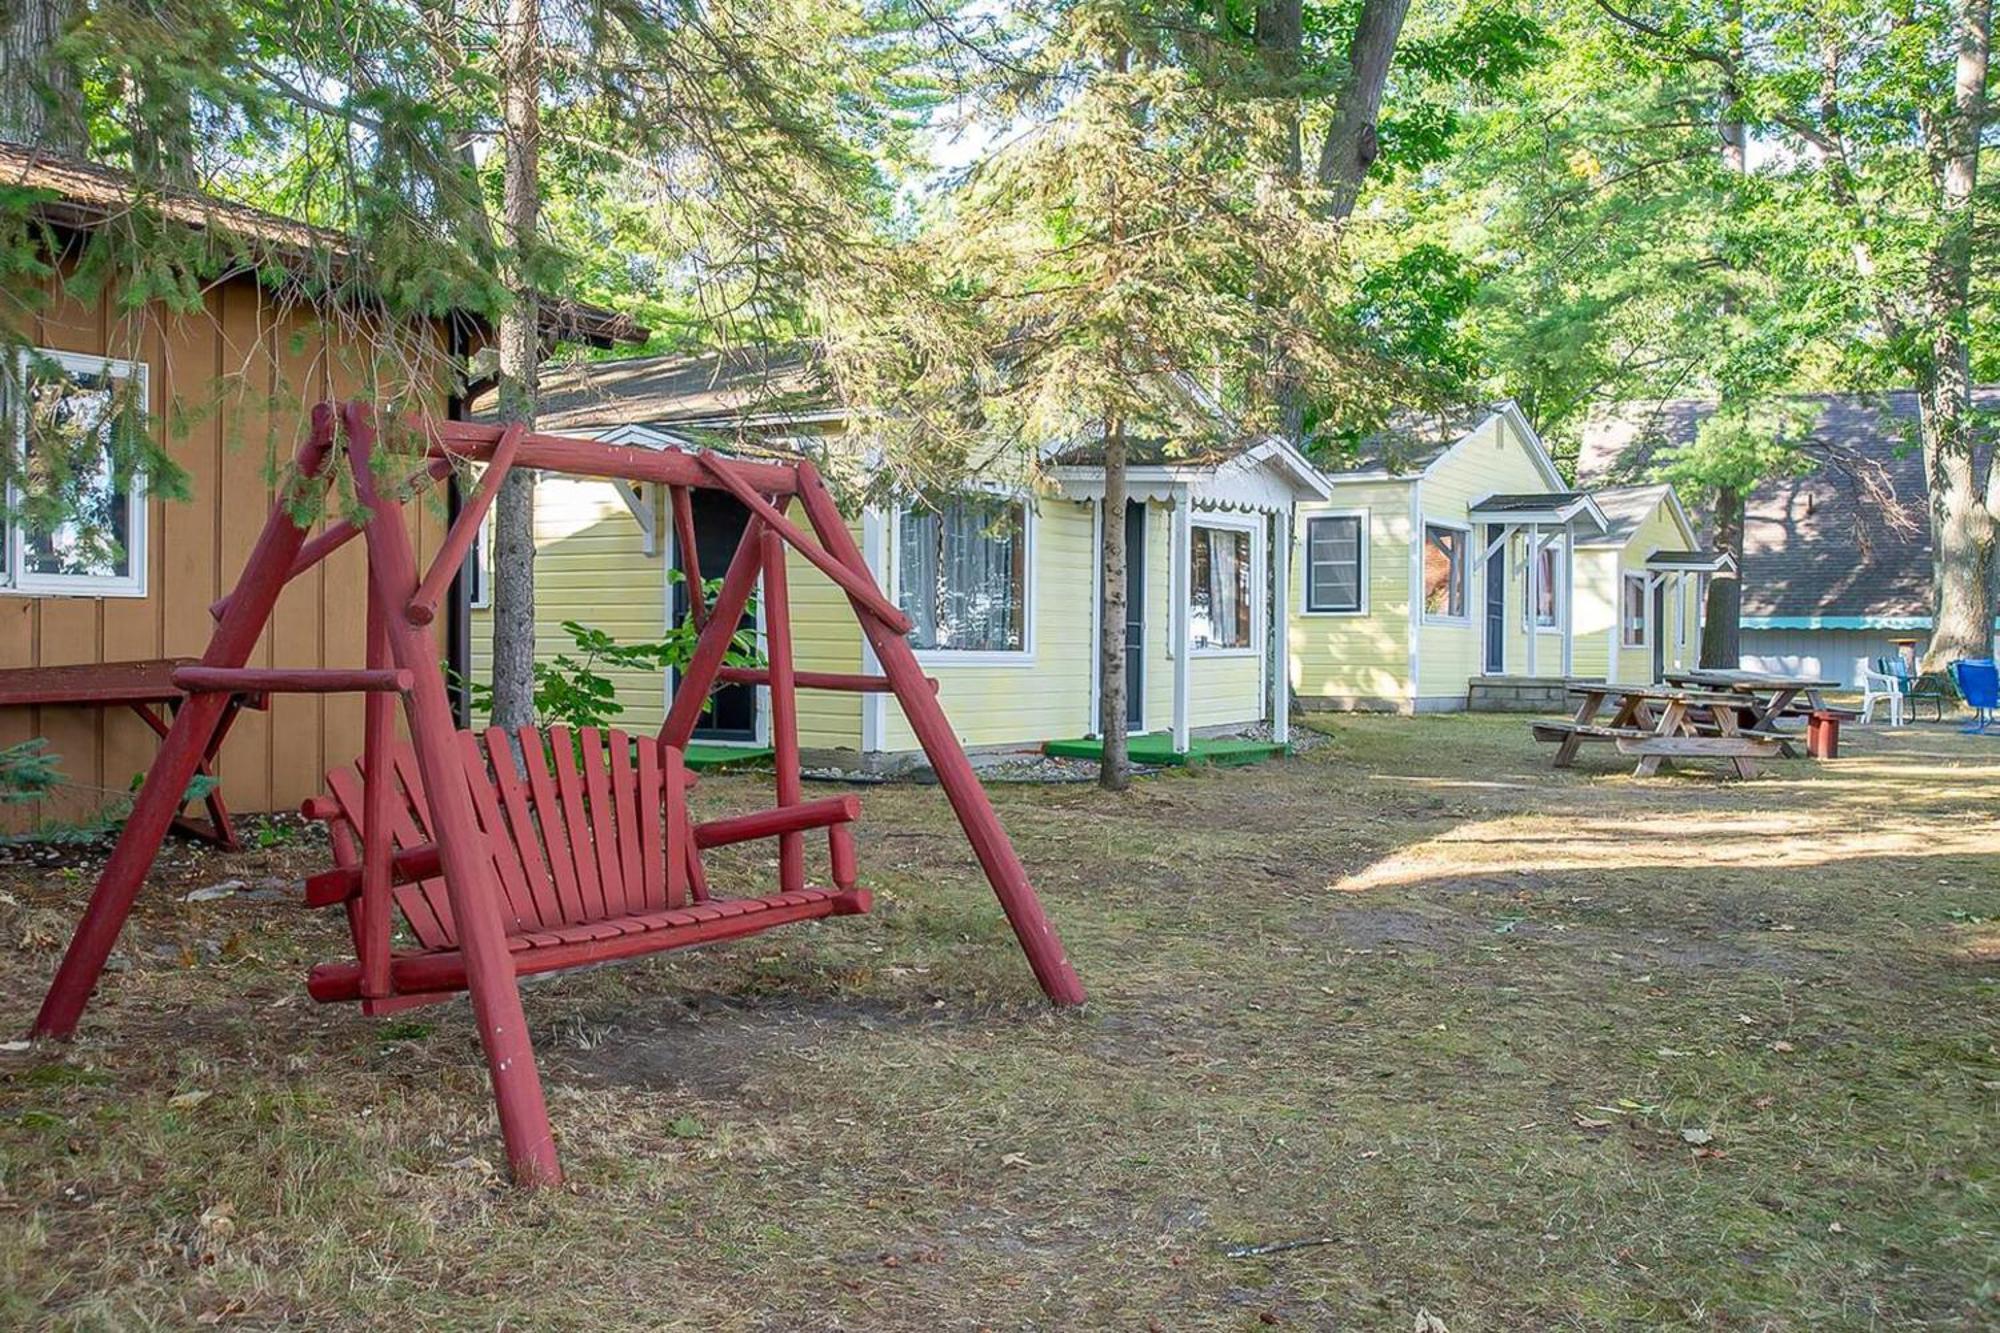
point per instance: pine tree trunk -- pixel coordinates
(1962, 517)
(40, 102)
(1115, 774)
(520, 362)
(1722, 613)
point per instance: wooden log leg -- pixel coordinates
(784, 708)
(468, 865)
(180, 756)
(968, 798)
(1566, 752)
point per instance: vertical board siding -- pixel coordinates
(229, 389)
(1357, 660)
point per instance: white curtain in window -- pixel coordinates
(959, 576)
(1226, 609)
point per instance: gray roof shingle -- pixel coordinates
(1813, 545)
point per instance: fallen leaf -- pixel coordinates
(1016, 1159)
(1836, 1228)
(190, 1098)
(1589, 1122)
(1782, 1047)
(16, 1045)
(1429, 1323)
(1696, 1136)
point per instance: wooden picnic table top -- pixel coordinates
(150, 681)
(1660, 693)
(1751, 680)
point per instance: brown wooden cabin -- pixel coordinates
(228, 387)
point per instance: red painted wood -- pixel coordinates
(859, 587)
(468, 877)
(179, 758)
(676, 929)
(450, 559)
(370, 921)
(341, 533)
(955, 773)
(514, 799)
(93, 684)
(853, 683)
(569, 791)
(505, 849)
(624, 803)
(698, 677)
(690, 553)
(650, 812)
(590, 458)
(680, 845)
(840, 853)
(549, 818)
(603, 833)
(262, 680)
(773, 823)
(330, 888)
(410, 816)
(784, 699)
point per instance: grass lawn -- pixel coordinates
(1519, 1048)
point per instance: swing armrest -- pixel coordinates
(832, 811)
(330, 888)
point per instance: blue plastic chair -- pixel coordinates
(1979, 684)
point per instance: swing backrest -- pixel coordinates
(587, 827)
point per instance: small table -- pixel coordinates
(1660, 724)
(144, 687)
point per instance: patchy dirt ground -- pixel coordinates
(1516, 1048)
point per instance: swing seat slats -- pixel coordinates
(594, 855)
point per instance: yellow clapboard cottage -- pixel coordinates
(1001, 581)
(1641, 585)
(1440, 571)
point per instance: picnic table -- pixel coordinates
(144, 687)
(1765, 698)
(1658, 724)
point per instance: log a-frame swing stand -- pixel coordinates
(544, 851)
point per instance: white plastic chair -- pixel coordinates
(1879, 682)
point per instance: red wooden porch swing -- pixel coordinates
(583, 853)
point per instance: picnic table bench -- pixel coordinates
(144, 687)
(1658, 725)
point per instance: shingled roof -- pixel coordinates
(679, 390)
(81, 196)
(1814, 546)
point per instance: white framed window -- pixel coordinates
(1336, 561)
(1548, 590)
(1223, 575)
(963, 576)
(78, 505)
(1632, 611)
(1447, 571)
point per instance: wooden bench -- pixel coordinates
(1740, 749)
(145, 687)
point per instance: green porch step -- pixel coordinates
(703, 754)
(1156, 748)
